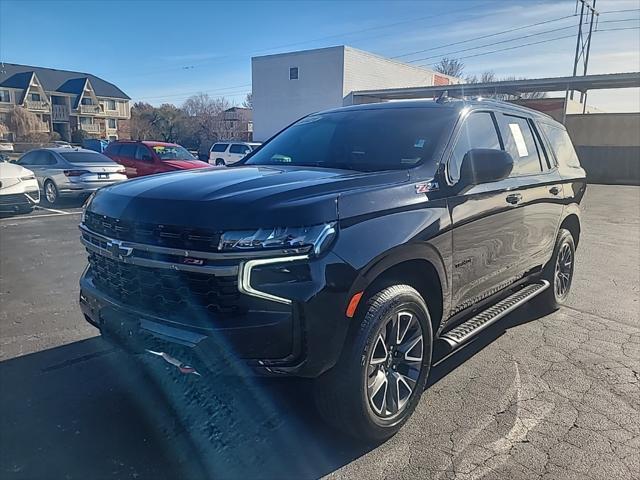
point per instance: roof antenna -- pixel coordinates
(444, 96)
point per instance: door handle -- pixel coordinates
(554, 190)
(514, 198)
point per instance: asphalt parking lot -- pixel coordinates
(555, 397)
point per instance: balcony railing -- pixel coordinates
(90, 127)
(91, 109)
(39, 105)
(41, 127)
(60, 113)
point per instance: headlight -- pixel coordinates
(317, 238)
(85, 205)
(27, 177)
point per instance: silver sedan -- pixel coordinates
(71, 172)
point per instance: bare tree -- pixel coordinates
(450, 66)
(23, 122)
(248, 101)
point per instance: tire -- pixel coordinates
(352, 396)
(220, 162)
(558, 292)
(50, 192)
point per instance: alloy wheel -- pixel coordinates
(563, 271)
(395, 363)
(50, 192)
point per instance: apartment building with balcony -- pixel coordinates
(64, 101)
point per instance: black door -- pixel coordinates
(487, 220)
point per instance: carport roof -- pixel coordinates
(513, 87)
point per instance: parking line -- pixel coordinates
(53, 210)
(28, 217)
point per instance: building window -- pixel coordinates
(87, 101)
(111, 104)
(111, 123)
(35, 97)
(5, 96)
(86, 120)
(293, 73)
(112, 138)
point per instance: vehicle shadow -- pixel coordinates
(85, 410)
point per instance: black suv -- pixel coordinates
(342, 249)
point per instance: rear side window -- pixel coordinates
(128, 150)
(561, 144)
(219, 147)
(237, 148)
(143, 153)
(477, 131)
(519, 142)
(114, 149)
(85, 157)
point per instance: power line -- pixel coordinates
(512, 40)
(499, 50)
(486, 36)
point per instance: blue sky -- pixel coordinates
(163, 51)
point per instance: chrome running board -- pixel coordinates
(463, 332)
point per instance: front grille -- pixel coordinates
(18, 198)
(169, 236)
(194, 297)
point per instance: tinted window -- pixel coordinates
(545, 161)
(30, 158)
(47, 158)
(561, 144)
(114, 149)
(520, 144)
(235, 148)
(366, 140)
(477, 131)
(85, 157)
(219, 147)
(128, 150)
(143, 153)
(293, 73)
(172, 152)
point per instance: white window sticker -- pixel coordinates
(520, 143)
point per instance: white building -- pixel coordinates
(288, 86)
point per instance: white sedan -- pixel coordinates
(19, 191)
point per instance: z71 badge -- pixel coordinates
(426, 187)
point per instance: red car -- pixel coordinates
(146, 158)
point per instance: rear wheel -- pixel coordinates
(220, 162)
(50, 192)
(377, 383)
(559, 273)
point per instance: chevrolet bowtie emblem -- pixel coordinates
(117, 250)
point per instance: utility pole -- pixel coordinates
(588, 14)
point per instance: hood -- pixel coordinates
(185, 164)
(12, 171)
(239, 197)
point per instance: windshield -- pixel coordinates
(172, 152)
(85, 157)
(365, 140)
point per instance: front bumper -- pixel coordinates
(13, 201)
(303, 337)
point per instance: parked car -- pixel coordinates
(228, 153)
(96, 144)
(146, 158)
(71, 172)
(6, 146)
(19, 192)
(343, 250)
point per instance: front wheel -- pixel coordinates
(559, 273)
(377, 383)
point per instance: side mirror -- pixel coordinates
(484, 165)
